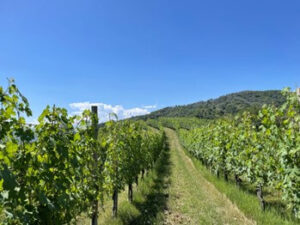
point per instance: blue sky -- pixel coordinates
(125, 55)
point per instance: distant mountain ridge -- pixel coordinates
(227, 104)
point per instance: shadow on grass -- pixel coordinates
(153, 197)
(273, 202)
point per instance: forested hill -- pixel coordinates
(227, 104)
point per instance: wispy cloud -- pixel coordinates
(105, 109)
(150, 107)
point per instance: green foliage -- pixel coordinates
(262, 148)
(52, 172)
(130, 148)
(176, 122)
(56, 169)
(16, 147)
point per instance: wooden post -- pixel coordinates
(130, 192)
(115, 203)
(94, 109)
(298, 93)
(259, 193)
(95, 120)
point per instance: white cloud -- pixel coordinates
(150, 107)
(105, 109)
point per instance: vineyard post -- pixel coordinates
(143, 172)
(259, 192)
(115, 203)
(238, 180)
(130, 192)
(94, 220)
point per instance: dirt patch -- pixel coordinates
(176, 218)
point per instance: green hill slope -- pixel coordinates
(227, 104)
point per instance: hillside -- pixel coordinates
(227, 104)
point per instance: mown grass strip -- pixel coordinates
(193, 199)
(244, 200)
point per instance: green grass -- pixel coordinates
(246, 201)
(193, 200)
(149, 198)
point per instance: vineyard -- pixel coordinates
(67, 166)
(262, 149)
(64, 166)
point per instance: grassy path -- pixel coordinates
(192, 199)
